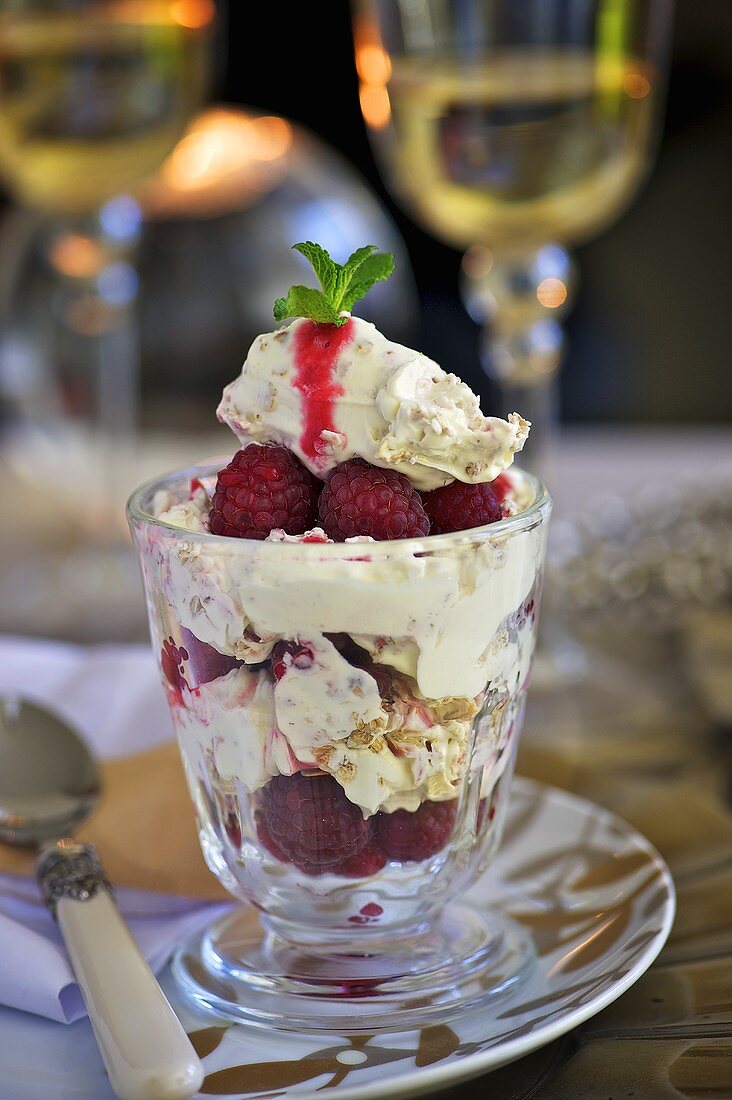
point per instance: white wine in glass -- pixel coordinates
(514, 128)
(519, 149)
(94, 95)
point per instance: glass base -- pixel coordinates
(242, 972)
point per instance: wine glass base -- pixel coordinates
(241, 972)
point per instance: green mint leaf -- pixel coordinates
(341, 285)
(374, 269)
(306, 301)
(346, 273)
(321, 263)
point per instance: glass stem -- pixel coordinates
(519, 298)
(98, 347)
(539, 404)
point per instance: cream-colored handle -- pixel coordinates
(147, 1054)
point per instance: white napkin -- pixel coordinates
(112, 695)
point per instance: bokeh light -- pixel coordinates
(227, 156)
(636, 85)
(77, 256)
(374, 69)
(193, 14)
(551, 293)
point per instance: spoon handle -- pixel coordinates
(145, 1050)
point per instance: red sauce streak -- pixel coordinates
(316, 350)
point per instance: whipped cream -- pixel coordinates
(325, 699)
(392, 406)
(234, 716)
(190, 514)
(325, 714)
(435, 617)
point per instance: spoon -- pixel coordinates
(49, 783)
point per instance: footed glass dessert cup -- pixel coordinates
(347, 715)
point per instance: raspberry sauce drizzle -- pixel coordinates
(316, 349)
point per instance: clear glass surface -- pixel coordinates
(347, 716)
(514, 128)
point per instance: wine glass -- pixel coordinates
(93, 96)
(512, 129)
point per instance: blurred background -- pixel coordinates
(552, 176)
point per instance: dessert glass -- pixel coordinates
(347, 715)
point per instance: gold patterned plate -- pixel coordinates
(595, 897)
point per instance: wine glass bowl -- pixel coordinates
(514, 128)
(94, 96)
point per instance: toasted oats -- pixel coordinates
(439, 789)
(346, 772)
(453, 708)
(323, 753)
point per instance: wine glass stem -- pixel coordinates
(539, 404)
(95, 306)
(519, 297)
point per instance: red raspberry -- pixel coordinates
(312, 823)
(383, 674)
(266, 840)
(171, 662)
(264, 487)
(501, 486)
(457, 507)
(419, 835)
(203, 662)
(285, 655)
(367, 862)
(358, 499)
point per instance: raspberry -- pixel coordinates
(358, 499)
(364, 863)
(457, 507)
(286, 654)
(264, 487)
(501, 486)
(416, 836)
(171, 662)
(311, 822)
(382, 674)
(267, 842)
(203, 662)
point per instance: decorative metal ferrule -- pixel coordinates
(69, 870)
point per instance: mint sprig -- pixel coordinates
(341, 285)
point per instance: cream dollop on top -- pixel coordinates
(399, 410)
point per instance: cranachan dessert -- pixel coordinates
(345, 617)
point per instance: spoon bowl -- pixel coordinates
(49, 780)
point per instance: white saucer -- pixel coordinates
(594, 895)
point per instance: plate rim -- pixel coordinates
(430, 1078)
